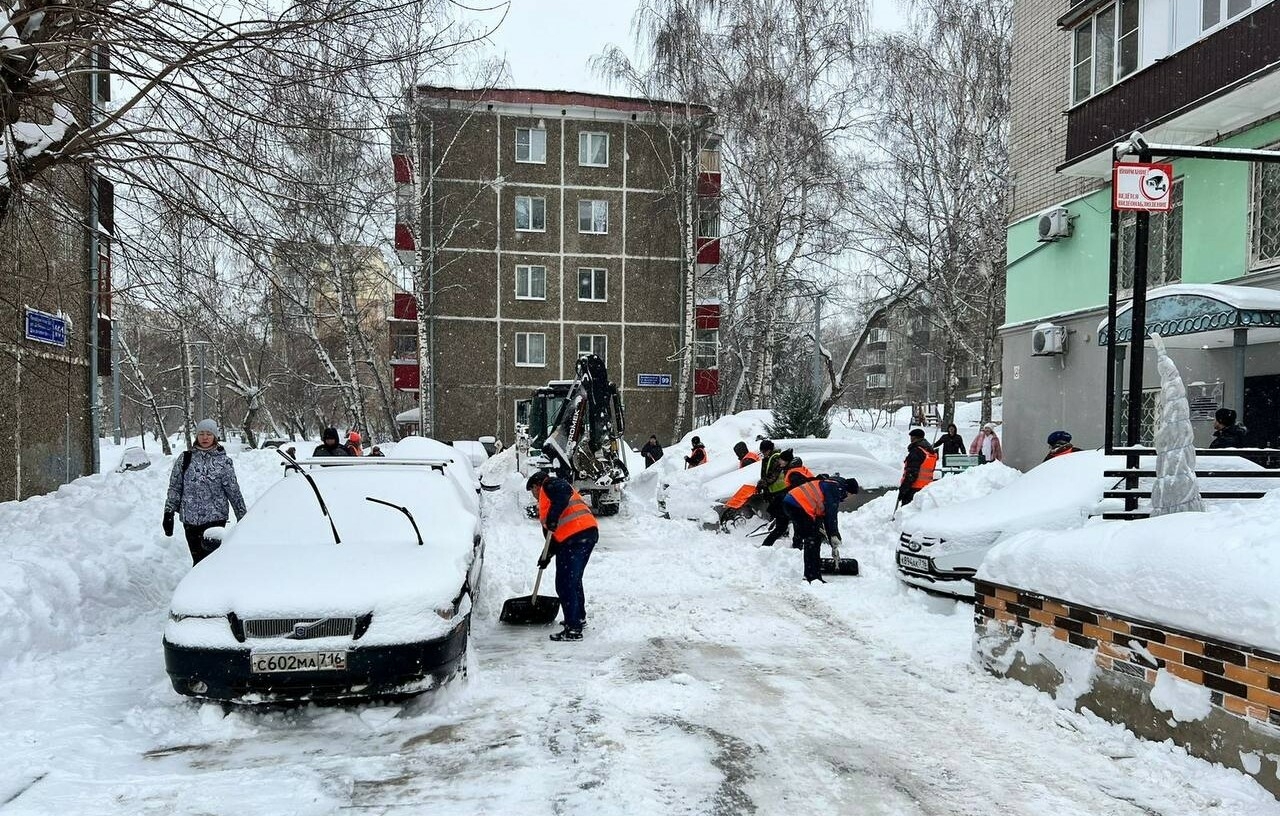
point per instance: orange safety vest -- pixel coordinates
(925, 477)
(575, 519)
(809, 497)
(750, 458)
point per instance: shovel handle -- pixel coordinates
(546, 548)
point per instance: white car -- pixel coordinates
(940, 549)
(353, 578)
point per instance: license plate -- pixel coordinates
(914, 562)
(269, 662)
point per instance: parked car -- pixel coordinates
(352, 579)
(940, 549)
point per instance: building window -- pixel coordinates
(1164, 245)
(878, 336)
(593, 149)
(592, 284)
(531, 214)
(531, 349)
(877, 357)
(593, 216)
(1265, 221)
(708, 218)
(1105, 49)
(593, 344)
(877, 381)
(709, 157)
(707, 349)
(1216, 12)
(531, 282)
(531, 145)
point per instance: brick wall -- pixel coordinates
(1040, 96)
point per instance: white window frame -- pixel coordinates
(1115, 42)
(706, 347)
(877, 357)
(878, 335)
(596, 206)
(529, 152)
(523, 348)
(592, 339)
(1223, 20)
(531, 201)
(602, 279)
(877, 381)
(584, 148)
(525, 272)
(1164, 220)
(708, 218)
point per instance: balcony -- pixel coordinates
(404, 306)
(706, 382)
(709, 251)
(405, 376)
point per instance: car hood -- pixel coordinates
(336, 579)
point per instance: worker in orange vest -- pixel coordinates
(745, 455)
(917, 467)
(574, 534)
(813, 505)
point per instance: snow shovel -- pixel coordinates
(535, 609)
(837, 565)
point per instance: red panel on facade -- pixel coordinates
(708, 185)
(404, 376)
(404, 170)
(404, 237)
(404, 306)
(706, 382)
(707, 315)
(709, 250)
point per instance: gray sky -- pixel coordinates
(547, 43)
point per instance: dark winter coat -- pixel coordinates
(771, 473)
(652, 452)
(697, 457)
(336, 450)
(201, 494)
(948, 444)
(916, 452)
(833, 493)
(1232, 436)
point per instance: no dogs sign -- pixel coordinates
(1142, 187)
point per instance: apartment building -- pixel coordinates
(1087, 75)
(551, 225)
(902, 364)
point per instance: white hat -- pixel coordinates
(990, 426)
(208, 426)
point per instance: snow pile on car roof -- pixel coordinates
(1214, 573)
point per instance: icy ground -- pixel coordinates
(712, 680)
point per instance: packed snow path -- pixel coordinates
(712, 680)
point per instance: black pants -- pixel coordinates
(777, 512)
(571, 561)
(906, 493)
(808, 537)
(195, 539)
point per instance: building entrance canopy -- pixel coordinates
(1203, 315)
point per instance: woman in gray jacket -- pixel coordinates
(201, 486)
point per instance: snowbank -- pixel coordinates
(1213, 573)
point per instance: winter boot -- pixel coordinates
(567, 634)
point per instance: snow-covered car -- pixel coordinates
(940, 549)
(364, 590)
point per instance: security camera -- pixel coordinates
(1138, 143)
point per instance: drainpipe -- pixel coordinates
(95, 455)
(1240, 344)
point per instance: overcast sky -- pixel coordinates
(547, 43)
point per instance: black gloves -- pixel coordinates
(544, 560)
(168, 522)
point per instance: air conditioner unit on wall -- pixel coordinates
(1048, 339)
(1054, 225)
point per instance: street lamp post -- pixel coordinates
(928, 381)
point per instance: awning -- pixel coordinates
(1203, 315)
(409, 417)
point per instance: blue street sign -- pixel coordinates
(46, 328)
(653, 380)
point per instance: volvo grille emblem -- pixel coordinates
(301, 630)
(913, 546)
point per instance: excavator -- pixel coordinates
(575, 431)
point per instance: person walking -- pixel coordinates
(651, 451)
(917, 467)
(697, 456)
(353, 443)
(986, 445)
(1059, 443)
(1226, 433)
(745, 455)
(949, 443)
(201, 487)
(329, 445)
(813, 506)
(574, 534)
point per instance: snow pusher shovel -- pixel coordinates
(837, 565)
(535, 609)
(739, 500)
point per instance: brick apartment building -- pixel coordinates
(557, 231)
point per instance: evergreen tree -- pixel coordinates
(797, 414)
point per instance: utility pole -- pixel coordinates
(95, 455)
(116, 415)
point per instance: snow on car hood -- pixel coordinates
(1058, 494)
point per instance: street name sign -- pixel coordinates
(43, 327)
(653, 380)
(1137, 187)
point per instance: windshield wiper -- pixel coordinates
(293, 463)
(404, 510)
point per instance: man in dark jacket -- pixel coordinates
(697, 456)
(773, 485)
(201, 487)
(574, 534)
(813, 506)
(1059, 443)
(917, 467)
(330, 445)
(745, 455)
(949, 443)
(1226, 433)
(651, 451)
